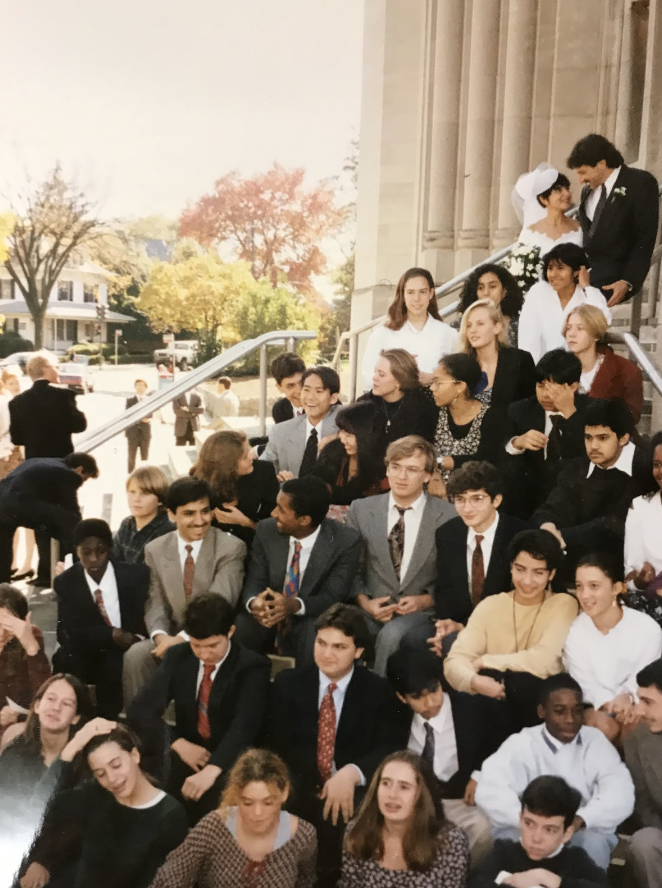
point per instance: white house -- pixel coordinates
(71, 315)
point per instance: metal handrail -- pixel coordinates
(159, 399)
(640, 355)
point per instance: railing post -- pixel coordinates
(290, 344)
(263, 389)
(635, 316)
(353, 366)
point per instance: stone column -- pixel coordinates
(473, 241)
(517, 112)
(439, 238)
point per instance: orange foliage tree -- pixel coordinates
(271, 221)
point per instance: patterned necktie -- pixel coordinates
(428, 747)
(98, 600)
(309, 455)
(189, 570)
(396, 540)
(203, 702)
(477, 571)
(599, 207)
(326, 734)
(554, 440)
(291, 588)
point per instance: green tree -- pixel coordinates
(56, 221)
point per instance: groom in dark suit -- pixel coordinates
(300, 564)
(619, 215)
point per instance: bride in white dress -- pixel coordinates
(541, 199)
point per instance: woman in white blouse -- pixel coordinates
(550, 301)
(607, 645)
(413, 324)
(542, 198)
(643, 537)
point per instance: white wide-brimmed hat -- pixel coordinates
(526, 191)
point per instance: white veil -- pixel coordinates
(526, 190)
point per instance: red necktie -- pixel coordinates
(189, 570)
(203, 701)
(326, 733)
(477, 571)
(98, 600)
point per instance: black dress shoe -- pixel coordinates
(24, 576)
(40, 582)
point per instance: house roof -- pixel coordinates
(73, 311)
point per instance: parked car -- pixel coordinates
(76, 374)
(18, 358)
(185, 352)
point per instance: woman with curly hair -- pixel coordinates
(400, 836)
(494, 282)
(245, 489)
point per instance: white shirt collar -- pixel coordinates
(623, 463)
(487, 535)
(415, 330)
(611, 180)
(309, 541)
(195, 547)
(106, 583)
(554, 744)
(438, 721)
(416, 506)
(341, 685)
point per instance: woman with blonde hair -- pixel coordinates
(249, 842)
(413, 324)
(245, 489)
(405, 407)
(604, 373)
(400, 836)
(508, 374)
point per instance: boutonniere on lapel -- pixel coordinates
(621, 191)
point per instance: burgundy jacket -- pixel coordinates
(28, 675)
(619, 378)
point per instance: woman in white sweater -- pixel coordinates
(412, 323)
(607, 645)
(550, 301)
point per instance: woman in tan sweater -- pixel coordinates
(514, 640)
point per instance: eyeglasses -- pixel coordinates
(437, 382)
(475, 500)
(409, 471)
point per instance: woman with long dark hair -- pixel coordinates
(24, 666)
(353, 463)
(491, 281)
(245, 489)
(412, 323)
(115, 830)
(405, 407)
(400, 836)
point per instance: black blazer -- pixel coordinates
(417, 414)
(44, 418)
(80, 626)
(140, 427)
(621, 246)
(256, 498)
(41, 479)
(236, 709)
(515, 377)
(333, 563)
(452, 595)
(372, 724)
(282, 410)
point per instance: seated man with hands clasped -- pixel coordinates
(300, 564)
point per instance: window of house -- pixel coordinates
(89, 292)
(71, 330)
(65, 291)
(59, 330)
(7, 290)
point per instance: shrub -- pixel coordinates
(11, 342)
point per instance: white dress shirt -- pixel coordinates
(111, 601)
(486, 545)
(201, 670)
(542, 317)
(643, 534)
(590, 763)
(338, 701)
(445, 745)
(594, 196)
(183, 554)
(623, 463)
(607, 665)
(413, 517)
(307, 544)
(513, 451)
(427, 346)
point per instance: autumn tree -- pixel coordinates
(6, 225)
(270, 221)
(54, 220)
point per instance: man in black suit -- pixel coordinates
(586, 510)
(619, 215)
(471, 549)
(287, 369)
(42, 494)
(333, 723)
(300, 564)
(100, 614)
(187, 410)
(43, 418)
(447, 732)
(220, 692)
(140, 434)
(546, 430)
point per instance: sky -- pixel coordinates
(148, 102)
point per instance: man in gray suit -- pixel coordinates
(300, 564)
(194, 558)
(396, 582)
(293, 445)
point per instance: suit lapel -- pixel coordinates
(297, 443)
(172, 574)
(352, 707)
(318, 559)
(224, 676)
(424, 543)
(498, 545)
(382, 550)
(81, 591)
(204, 564)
